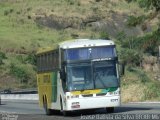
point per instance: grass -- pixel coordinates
(124, 7)
(132, 93)
(19, 29)
(138, 85)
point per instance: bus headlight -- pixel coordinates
(114, 93)
(72, 96)
(111, 93)
(68, 97)
(75, 96)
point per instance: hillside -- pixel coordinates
(26, 25)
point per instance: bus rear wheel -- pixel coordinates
(110, 109)
(45, 106)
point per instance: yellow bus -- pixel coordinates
(78, 74)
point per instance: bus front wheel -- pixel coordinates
(65, 113)
(110, 109)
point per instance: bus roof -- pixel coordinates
(77, 43)
(85, 43)
(47, 49)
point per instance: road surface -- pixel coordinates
(29, 110)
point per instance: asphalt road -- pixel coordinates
(29, 110)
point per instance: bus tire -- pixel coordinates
(110, 109)
(64, 113)
(45, 106)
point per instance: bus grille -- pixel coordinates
(89, 95)
(101, 94)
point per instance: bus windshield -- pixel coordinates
(79, 77)
(89, 53)
(98, 75)
(105, 74)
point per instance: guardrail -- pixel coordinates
(19, 97)
(28, 94)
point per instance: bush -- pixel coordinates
(19, 72)
(92, 36)
(95, 9)
(20, 58)
(74, 2)
(2, 56)
(146, 44)
(130, 56)
(29, 8)
(143, 77)
(128, 1)
(31, 59)
(152, 91)
(104, 35)
(149, 43)
(121, 36)
(71, 2)
(98, 0)
(132, 21)
(7, 12)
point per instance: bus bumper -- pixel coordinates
(91, 103)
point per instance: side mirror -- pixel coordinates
(121, 69)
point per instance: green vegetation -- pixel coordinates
(134, 51)
(20, 73)
(26, 26)
(104, 35)
(132, 21)
(150, 4)
(138, 86)
(2, 56)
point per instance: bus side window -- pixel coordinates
(45, 59)
(40, 63)
(47, 62)
(53, 60)
(50, 61)
(56, 59)
(43, 62)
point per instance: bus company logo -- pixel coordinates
(9, 116)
